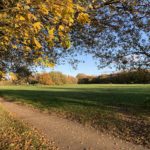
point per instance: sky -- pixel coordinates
(89, 68)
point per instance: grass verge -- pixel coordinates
(15, 135)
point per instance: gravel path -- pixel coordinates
(67, 134)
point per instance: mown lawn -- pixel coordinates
(15, 135)
(123, 110)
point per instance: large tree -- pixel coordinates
(41, 32)
(119, 33)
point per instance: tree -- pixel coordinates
(42, 32)
(54, 78)
(139, 76)
(44, 79)
(118, 33)
(58, 78)
(32, 30)
(20, 74)
(23, 72)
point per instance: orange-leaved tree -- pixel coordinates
(29, 29)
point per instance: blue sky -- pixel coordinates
(89, 67)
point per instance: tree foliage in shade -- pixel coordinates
(43, 32)
(140, 76)
(119, 33)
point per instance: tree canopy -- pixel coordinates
(41, 32)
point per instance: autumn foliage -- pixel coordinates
(42, 32)
(54, 78)
(31, 29)
(125, 77)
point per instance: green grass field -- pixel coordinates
(123, 110)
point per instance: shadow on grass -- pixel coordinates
(133, 102)
(100, 107)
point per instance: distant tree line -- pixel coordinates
(24, 76)
(52, 78)
(124, 77)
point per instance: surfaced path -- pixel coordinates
(66, 134)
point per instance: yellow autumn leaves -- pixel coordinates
(37, 26)
(83, 18)
(63, 11)
(37, 43)
(15, 135)
(44, 9)
(32, 26)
